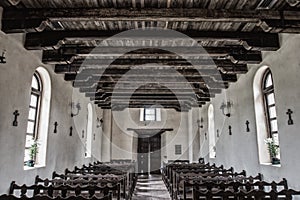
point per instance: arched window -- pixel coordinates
(211, 132)
(88, 145)
(38, 119)
(265, 113)
(269, 103)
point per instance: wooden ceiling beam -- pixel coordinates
(150, 102)
(120, 93)
(166, 91)
(253, 57)
(39, 19)
(147, 87)
(209, 69)
(151, 14)
(121, 107)
(251, 40)
(106, 97)
(161, 74)
(118, 51)
(233, 53)
(143, 81)
(163, 61)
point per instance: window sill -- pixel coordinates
(26, 168)
(270, 164)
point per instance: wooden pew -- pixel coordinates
(87, 191)
(241, 195)
(180, 178)
(85, 180)
(45, 197)
(188, 185)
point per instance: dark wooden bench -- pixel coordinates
(87, 191)
(45, 197)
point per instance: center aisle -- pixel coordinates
(150, 187)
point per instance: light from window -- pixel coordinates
(38, 120)
(88, 150)
(33, 119)
(269, 102)
(150, 114)
(211, 132)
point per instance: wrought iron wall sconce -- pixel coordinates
(229, 128)
(76, 108)
(99, 122)
(2, 57)
(247, 126)
(226, 108)
(200, 123)
(71, 131)
(55, 127)
(290, 120)
(16, 114)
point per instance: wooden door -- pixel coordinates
(143, 157)
(149, 154)
(155, 154)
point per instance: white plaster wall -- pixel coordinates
(125, 143)
(63, 151)
(240, 149)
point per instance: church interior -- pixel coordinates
(149, 99)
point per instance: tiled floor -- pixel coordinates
(150, 188)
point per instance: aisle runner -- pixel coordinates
(150, 188)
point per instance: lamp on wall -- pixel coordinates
(99, 122)
(200, 123)
(226, 108)
(2, 57)
(76, 108)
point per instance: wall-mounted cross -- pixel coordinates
(289, 113)
(55, 127)
(16, 114)
(71, 130)
(247, 126)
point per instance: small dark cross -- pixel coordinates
(289, 113)
(206, 136)
(247, 126)
(16, 114)
(94, 136)
(229, 127)
(71, 130)
(218, 135)
(82, 134)
(55, 127)
(2, 58)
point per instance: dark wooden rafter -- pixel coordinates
(121, 107)
(234, 54)
(224, 66)
(251, 41)
(150, 4)
(39, 19)
(119, 73)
